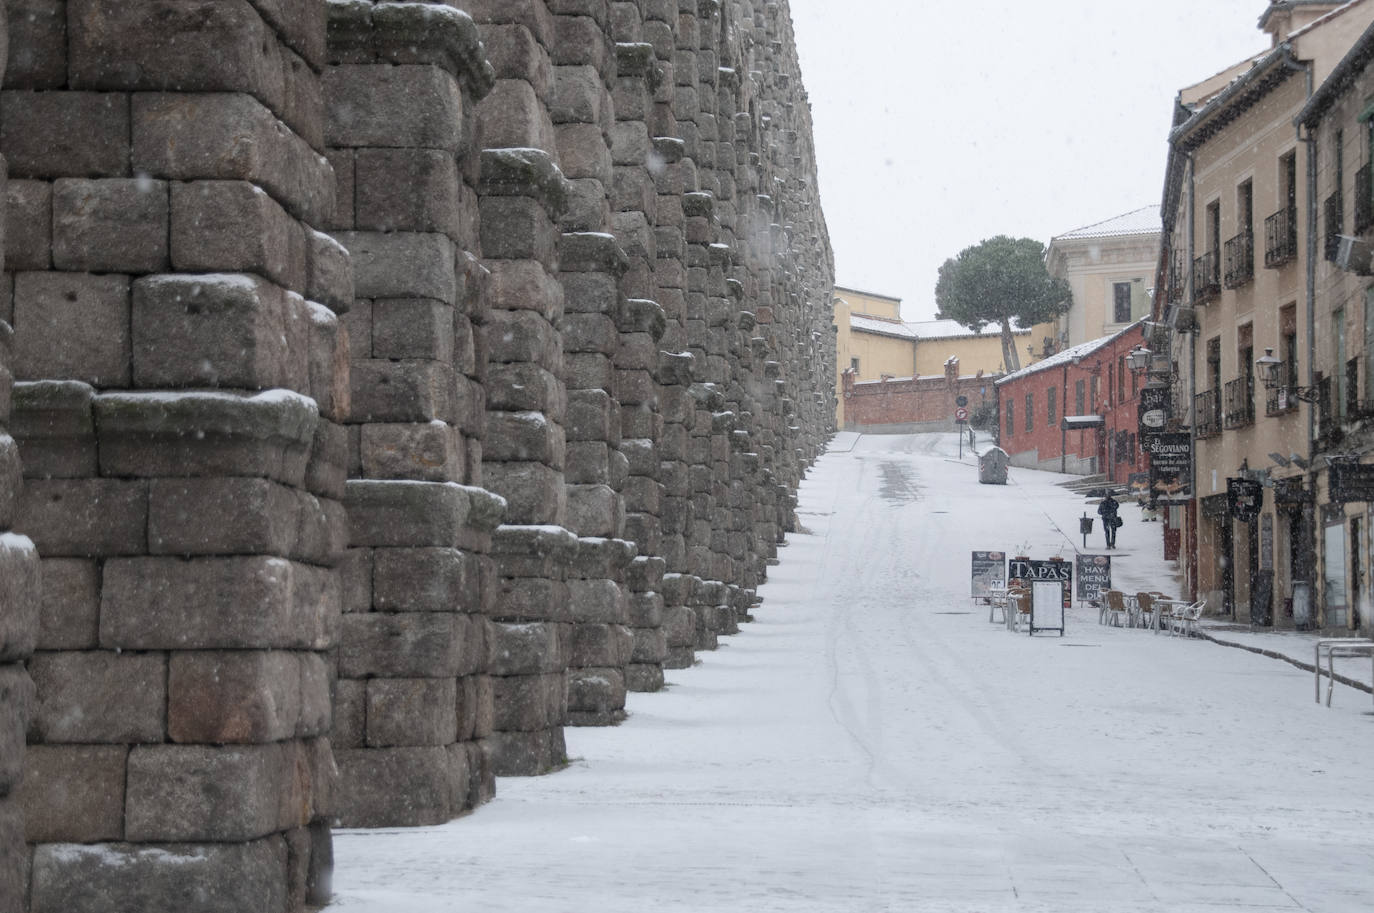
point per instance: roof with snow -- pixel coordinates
(881, 327)
(1142, 221)
(924, 329)
(953, 329)
(1082, 350)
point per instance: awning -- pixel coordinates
(1083, 421)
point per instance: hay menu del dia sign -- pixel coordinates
(1094, 576)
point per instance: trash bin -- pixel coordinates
(992, 466)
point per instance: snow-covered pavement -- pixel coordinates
(872, 743)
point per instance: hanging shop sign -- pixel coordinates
(1244, 498)
(1351, 482)
(1153, 410)
(1171, 460)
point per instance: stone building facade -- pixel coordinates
(394, 385)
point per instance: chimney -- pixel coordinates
(1284, 17)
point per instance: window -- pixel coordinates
(1333, 208)
(1288, 180)
(1111, 381)
(1338, 373)
(1121, 378)
(1030, 411)
(1092, 395)
(1288, 343)
(854, 366)
(1121, 302)
(1245, 208)
(1049, 406)
(1245, 367)
(1368, 342)
(1011, 419)
(1213, 227)
(1078, 396)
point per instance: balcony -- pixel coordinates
(1240, 403)
(1279, 400)
(1364, 202)
(1206, 415)
(1206, 277)
(1280, 238)
(1177, 283)
(1239, 260)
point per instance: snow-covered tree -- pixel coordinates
(997, 281)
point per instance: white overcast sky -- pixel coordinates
(939, 124)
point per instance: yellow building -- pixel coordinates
(1110, 267)
(940, 340)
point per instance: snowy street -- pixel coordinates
(872, 743)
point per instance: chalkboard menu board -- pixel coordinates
(1094, 576)
(989, 570)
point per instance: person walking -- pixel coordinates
(1110, 521)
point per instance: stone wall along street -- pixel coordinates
(394, 385)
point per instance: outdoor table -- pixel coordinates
(1337, 646)
(1160, 604)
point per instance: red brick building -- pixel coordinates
(1076, 410)
(908, 404)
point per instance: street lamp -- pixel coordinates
(1138, 359)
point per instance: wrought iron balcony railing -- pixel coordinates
(1278, 400)
(1240, 259)
(1280, 238)
(1206, 277)
(1240, 403)
(1177, 281)
(1206, 415)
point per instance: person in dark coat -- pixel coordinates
(1110, 521)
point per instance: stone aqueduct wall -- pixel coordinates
(394, 385)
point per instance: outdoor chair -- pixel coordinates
(1018, 607)
(1116, 613)
(1185, 620)
(1145, 610)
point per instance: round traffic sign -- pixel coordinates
(960, 414)
(961, 400)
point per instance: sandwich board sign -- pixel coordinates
(1094, 576)
(989, 572)
(1047, 606)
